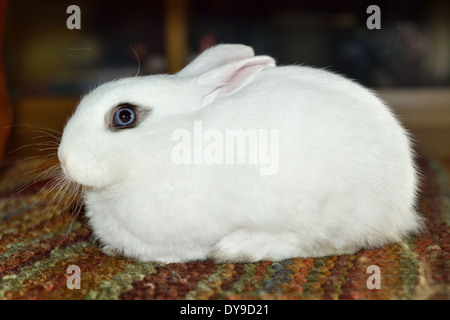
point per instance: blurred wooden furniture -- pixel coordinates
(5, 108)
(425, 112)
(176, 33)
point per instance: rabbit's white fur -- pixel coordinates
(346, 177)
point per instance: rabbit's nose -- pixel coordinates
(63, 161)
(62, 158)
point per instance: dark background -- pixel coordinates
(44, 57)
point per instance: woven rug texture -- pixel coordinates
(40, 240)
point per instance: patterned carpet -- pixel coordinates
(38, 243)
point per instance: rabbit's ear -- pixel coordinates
(227, 79)
(216, 56)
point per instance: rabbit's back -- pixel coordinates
(346, 169)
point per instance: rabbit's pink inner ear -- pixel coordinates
(232, 77)
(239, 79)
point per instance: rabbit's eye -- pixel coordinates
(124, 116)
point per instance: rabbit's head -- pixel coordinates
(105, 138)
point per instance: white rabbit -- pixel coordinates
(345, 178)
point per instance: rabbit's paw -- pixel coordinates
(111, 251)
(244, 246)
